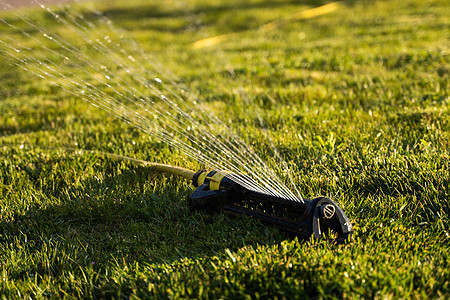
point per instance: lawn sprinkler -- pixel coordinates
(238, 194)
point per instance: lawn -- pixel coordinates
(353, 96)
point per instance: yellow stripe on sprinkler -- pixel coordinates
(214, 179)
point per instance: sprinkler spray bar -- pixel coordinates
(219, 191)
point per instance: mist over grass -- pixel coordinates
(356, 101)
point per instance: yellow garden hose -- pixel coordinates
(158, 167)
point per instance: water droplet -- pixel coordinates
(21, 146)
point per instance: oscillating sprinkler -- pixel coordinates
(229, 193)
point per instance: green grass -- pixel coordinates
(356, 101)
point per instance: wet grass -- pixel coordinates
(356, 101)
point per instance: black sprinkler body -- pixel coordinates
(229, 193)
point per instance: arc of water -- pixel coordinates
(145, 124)
(103, 48)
